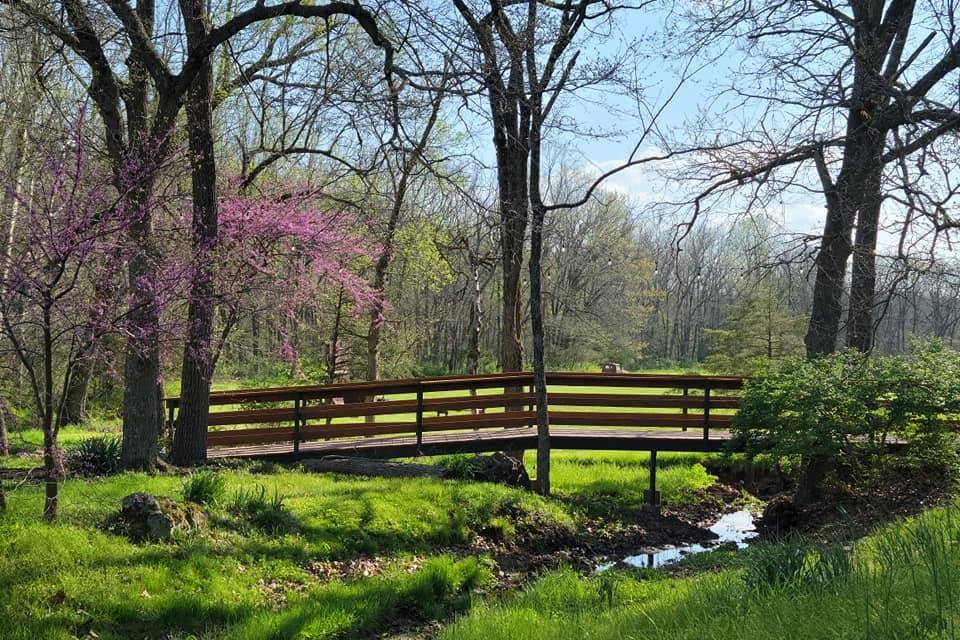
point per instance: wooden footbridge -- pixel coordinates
(458, 414)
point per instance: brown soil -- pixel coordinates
(538, 546)
(847, 511)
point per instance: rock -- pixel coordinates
(498, 467)
(145, 517)
(780, 516)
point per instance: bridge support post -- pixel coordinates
(651, 495)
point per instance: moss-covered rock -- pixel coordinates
(145, 517)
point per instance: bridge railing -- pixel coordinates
(411, 407)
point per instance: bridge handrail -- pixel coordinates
(479, 381)
(517, 399)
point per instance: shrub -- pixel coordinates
(837, 412)
(203, 487)
(268, 514)
(98, 456)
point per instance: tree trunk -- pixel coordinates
(513, 225)
(50, 454)
(863, 285)
(539, 367)
(142, 410)
(810, 485)
(190, 438)
(142, 390)
(75, 396)
(825, 314)
(856, 188)
(476, 320)
(4, 443)
(142, 386)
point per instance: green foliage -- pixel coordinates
(99, 456)
(266, 513)
(760, 326)
(841, 409)
(419, 257)
(204, 487)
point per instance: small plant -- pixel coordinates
(607, 584)
(792, 564)
(459, 466)
(773, 567)
(267, 513)
(98, 456)
(204, 487)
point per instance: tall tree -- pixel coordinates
(190, 437)
(138, 100)
(840, 92)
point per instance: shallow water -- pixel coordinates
(736, 528)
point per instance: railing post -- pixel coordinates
(686, 394)
(706, 411)
(171, 417)
(297, 420)
(419, 418)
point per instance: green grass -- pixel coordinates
(239, 580)
(903, 582)
(612, 484)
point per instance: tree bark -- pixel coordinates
(50, 453)
(863, 285)
(142, 387)
(190, 438)
(536, 322)
(4, 443)
(476, 320)
(75, 398)
(855, 192)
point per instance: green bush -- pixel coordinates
(263, 512)
(837, 412)
(204, 487)
(98, 456)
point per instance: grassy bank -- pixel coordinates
(242, 581)
(902, 582)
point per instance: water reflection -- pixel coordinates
(733, 528)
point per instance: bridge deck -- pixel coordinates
(485, 441)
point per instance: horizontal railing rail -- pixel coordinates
(413, 406)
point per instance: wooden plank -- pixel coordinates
(641, 401)
(597, 419)
(447, 383)
(253, 416)
(640, 380)
(462, 403)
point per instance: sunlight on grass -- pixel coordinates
(900, 583)
(239, 582)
